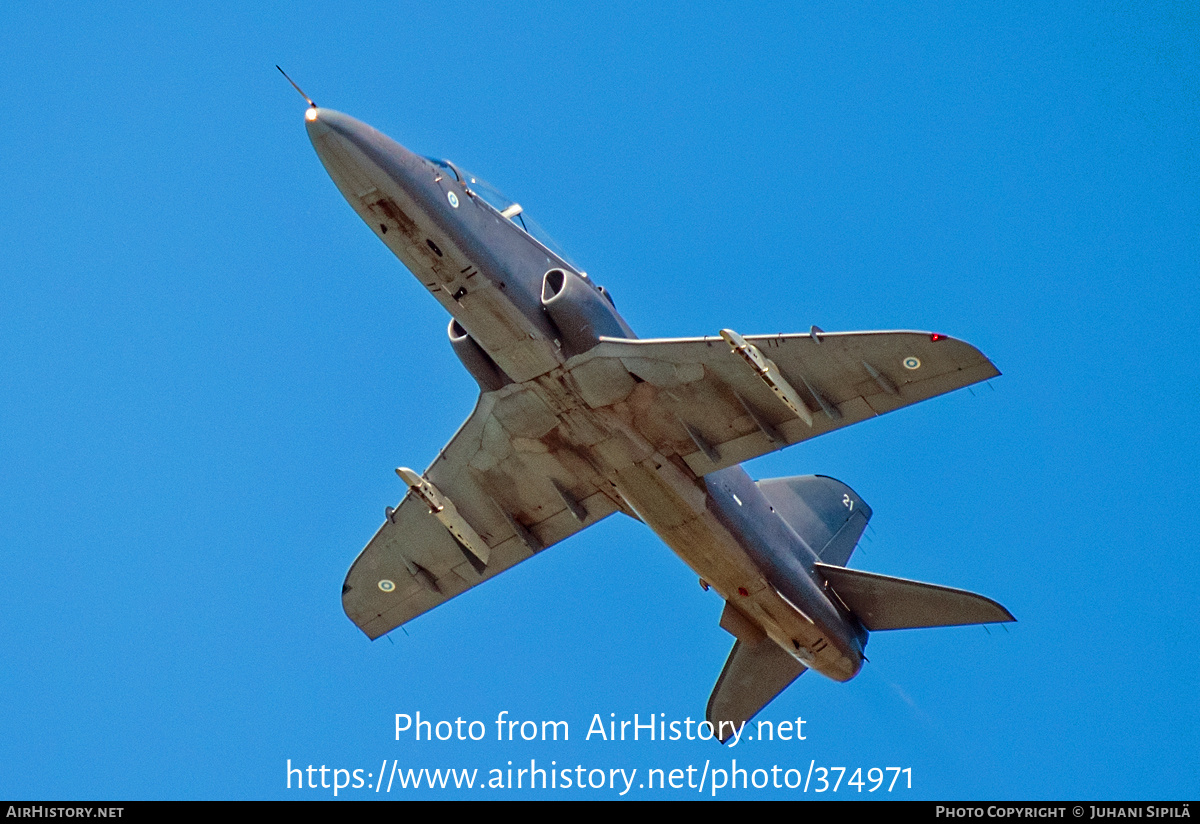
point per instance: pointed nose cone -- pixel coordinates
(320, 122)
(330, 125)
(358, 157)
(312, 120)
(324, 124)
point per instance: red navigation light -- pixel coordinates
(935, 337)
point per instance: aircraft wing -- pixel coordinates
(707, 403)
(518, 495)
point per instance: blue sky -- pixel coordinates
(209, 369)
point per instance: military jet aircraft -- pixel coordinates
(578, 418)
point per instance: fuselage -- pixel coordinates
(520, 312)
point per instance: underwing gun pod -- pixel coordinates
(577, 419)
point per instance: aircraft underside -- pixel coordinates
(578, 419)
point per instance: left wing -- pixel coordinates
(701, 399)
(517, 494)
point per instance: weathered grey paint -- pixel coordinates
(572, 427)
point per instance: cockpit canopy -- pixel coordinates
(508, 208)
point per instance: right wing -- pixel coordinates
(518, 495)
(697, 398)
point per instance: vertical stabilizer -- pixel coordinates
(826, 514)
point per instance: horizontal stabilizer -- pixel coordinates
(883, 602)
(756, 671)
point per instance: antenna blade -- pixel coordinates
(297, 88)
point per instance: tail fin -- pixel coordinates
(756, 671)
(826, 514)
(882, 602)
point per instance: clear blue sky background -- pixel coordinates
(209, 369)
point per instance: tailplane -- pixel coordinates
(756, 671)
(883, 602)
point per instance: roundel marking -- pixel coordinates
(453, 198)
(911, 363)
(386, 585)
